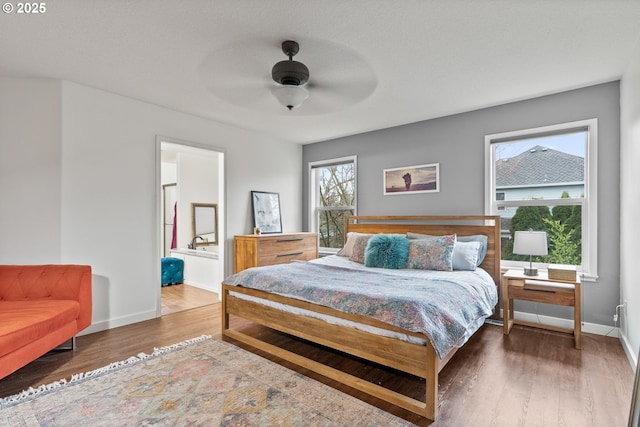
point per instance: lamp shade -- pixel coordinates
(530, 243)
(291, 96)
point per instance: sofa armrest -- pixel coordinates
(52, 281)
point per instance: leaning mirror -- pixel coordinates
(204, 217)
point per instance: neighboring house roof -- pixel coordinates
(539, 166)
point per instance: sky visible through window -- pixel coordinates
(571, 143)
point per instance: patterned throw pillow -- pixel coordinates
(387, 251)
(432, 254)
(347, 249)
(359, 246)
(480, 238)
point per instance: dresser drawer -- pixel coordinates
(286, 245)
(285, 257)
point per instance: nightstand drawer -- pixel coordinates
(545, 294)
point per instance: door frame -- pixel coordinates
(222, 211)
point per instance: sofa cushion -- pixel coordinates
(22, 322)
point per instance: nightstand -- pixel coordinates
(515, 285)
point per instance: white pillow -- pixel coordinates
(347, 249)
(465, 255)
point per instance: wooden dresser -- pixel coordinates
(253, 250)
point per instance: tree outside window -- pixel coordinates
(563, 225)
(333, 198)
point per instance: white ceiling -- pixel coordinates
(421, 58)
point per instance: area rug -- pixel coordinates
(200, 382)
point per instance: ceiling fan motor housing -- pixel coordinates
(290, 72)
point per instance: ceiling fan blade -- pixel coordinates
(240, 73)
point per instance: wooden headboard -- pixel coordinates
(437, 225)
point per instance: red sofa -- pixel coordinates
(41, 306)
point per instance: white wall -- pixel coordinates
(30, 170)
(168, 173)
(92, 177)
(197, 183)
(630, 205)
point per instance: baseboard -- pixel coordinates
(631, 354)
(201, 286)
(120, 321)
(590, 328)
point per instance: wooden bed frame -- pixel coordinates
(419, 360)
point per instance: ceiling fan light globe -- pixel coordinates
(290, 96)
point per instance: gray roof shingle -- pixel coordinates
(539, 166)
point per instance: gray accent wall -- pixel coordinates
(457, 143)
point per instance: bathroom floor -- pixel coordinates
(184, 297)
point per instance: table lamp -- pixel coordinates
(530, 243)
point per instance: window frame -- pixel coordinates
(313, 202)
(589, 268)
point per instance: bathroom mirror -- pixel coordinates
(204, 219)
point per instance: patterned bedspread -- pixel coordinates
(444, 307)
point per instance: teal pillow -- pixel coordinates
(387, 251)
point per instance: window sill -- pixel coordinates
(588, 277)
(584, 277)
(327, 252)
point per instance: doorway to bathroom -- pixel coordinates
(192, 224)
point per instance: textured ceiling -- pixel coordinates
(374, 63)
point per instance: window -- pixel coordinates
(500, 196)
(545, 179)
(332, 196)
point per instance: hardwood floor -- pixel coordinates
(184, 297)
(529, 378)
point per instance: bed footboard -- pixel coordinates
(415, 359)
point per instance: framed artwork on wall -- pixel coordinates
(412, 179)
(266, 212)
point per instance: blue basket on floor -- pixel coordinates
(172, 271)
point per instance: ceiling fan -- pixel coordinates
(291, 77)
(239, 74)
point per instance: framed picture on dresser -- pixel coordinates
(266, 212)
